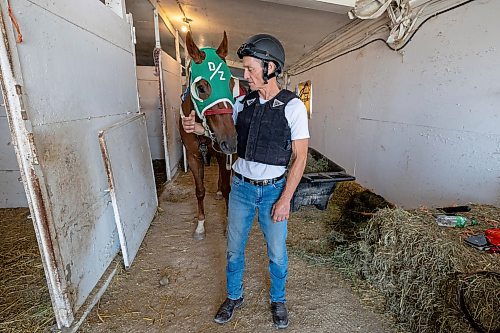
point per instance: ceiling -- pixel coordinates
(298, 28)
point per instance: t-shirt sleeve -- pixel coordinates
(296, 114)
(238, 107)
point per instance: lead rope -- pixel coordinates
(229, 161)
(156, 59)
(16, 25)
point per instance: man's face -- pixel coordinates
(253, 72)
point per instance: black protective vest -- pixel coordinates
(264, 135)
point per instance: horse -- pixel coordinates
(214, 110)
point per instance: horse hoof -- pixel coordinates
(199, 236)
(218, 195)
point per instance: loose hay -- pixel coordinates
(403, 262)
(24, 298)
(316, 165)
(420, 267)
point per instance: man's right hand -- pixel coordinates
(190, 126)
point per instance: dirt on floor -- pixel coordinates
(176, 283)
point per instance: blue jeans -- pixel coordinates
(244, 200)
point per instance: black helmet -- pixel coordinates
(264, 47)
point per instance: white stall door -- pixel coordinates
(131, 181)
(72, 76)
(171, 89)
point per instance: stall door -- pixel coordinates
(131, 181)
(171, 91)
(71, 75)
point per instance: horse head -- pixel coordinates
(210, 88)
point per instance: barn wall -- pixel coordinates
(11, 188)
(150, 105)
(420, 126)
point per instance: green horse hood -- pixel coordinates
(216, 72)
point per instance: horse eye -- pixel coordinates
(201, 89)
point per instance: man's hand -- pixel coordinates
(281, 210)
(190, 126)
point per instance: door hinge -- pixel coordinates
(20, 95)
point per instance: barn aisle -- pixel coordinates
(193, 280)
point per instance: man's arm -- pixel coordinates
(281, 209)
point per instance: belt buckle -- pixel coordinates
(266, 182)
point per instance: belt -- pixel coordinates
(261, 182)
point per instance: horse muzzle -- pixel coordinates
(228, 146)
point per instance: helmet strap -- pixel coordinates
(266, 75)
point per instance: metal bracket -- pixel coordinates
(20, 96)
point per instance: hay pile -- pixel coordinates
(316, 165)
(402, 262)
(24, 298)
(422, 269)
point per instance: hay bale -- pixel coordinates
(419, 267)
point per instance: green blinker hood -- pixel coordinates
(216, 72)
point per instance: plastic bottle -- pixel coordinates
(451, 221)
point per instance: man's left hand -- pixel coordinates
(281, 210)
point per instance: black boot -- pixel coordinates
(280, 314)
(226, 310)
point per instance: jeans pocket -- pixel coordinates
(280, 184)
(236, 181)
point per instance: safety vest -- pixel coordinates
(264, 135)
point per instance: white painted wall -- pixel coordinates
(150, 105)
(422, 126)
(11, 187)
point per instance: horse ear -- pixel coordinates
(193, 50)
(222, 50)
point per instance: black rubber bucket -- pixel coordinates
(317, 187)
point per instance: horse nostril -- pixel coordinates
(228, 147)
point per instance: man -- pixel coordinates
(271, 124)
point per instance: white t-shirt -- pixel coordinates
(296, 115)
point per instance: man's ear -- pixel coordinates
(271, 67)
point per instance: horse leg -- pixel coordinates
(196, 166)
(224, 183)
